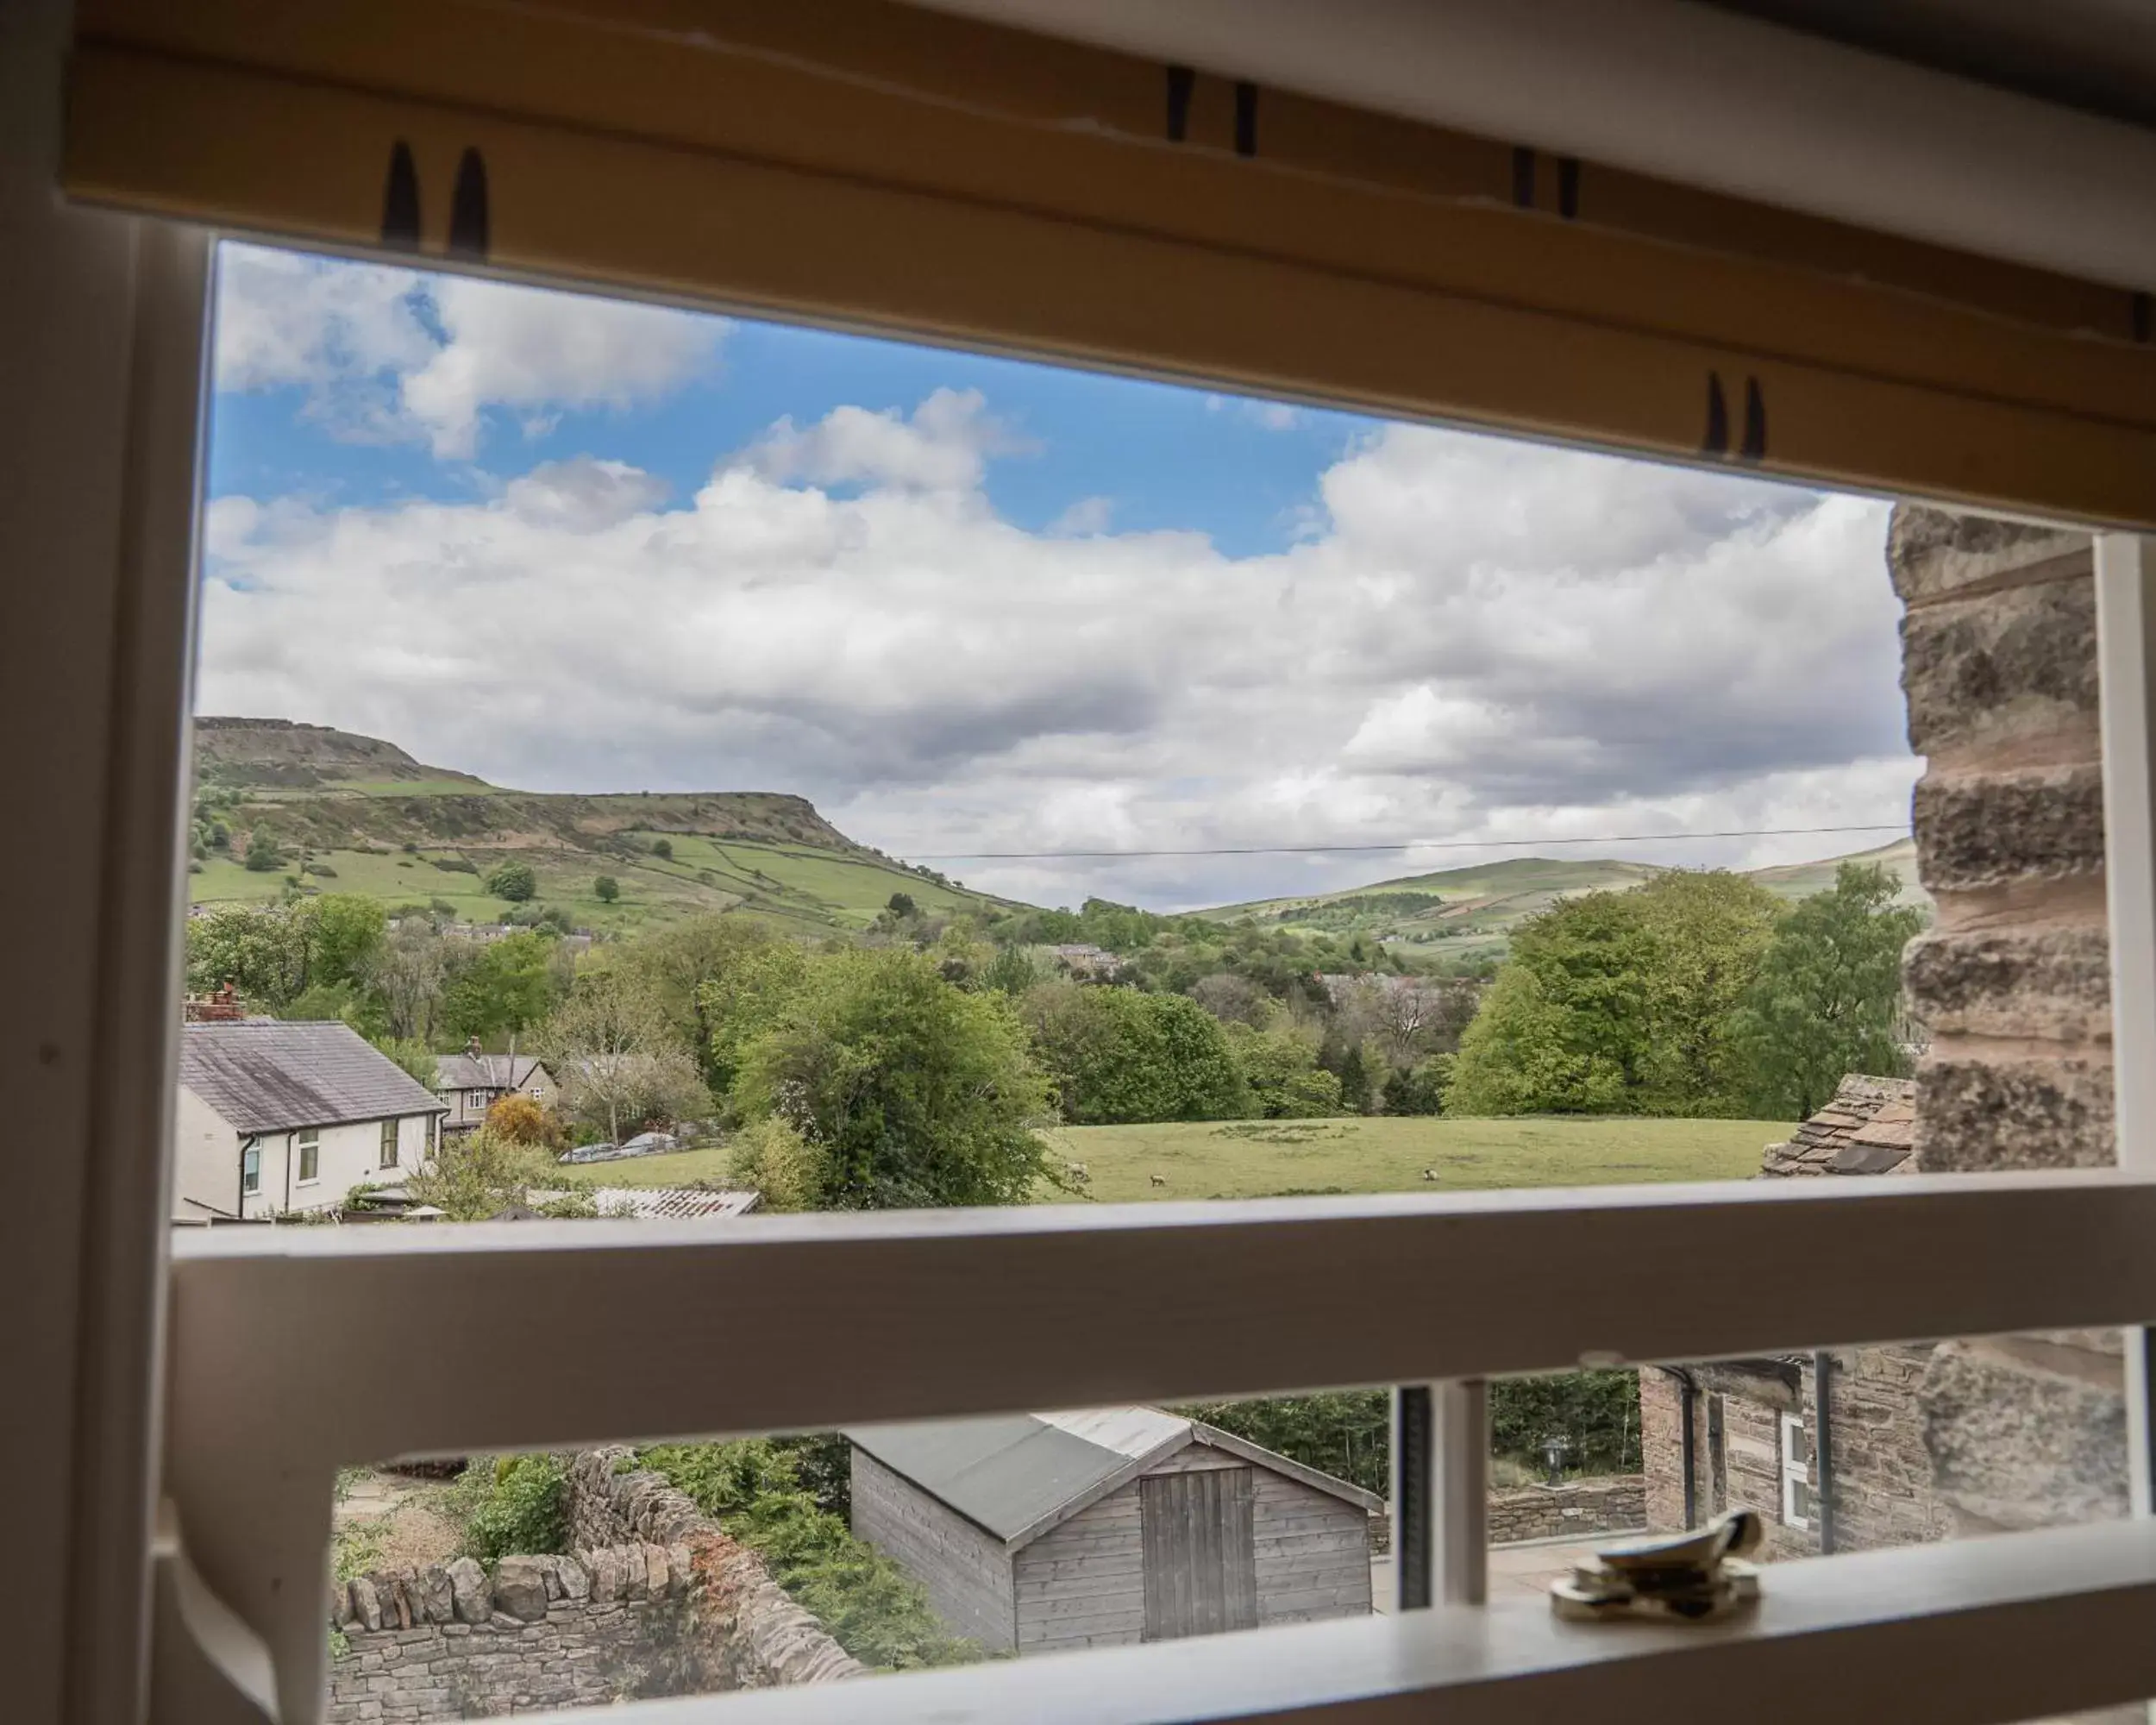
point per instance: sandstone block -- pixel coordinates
(520, 1588)
(656, 1570)
(340, 1611)
(432, 1599)
(1974, 1116)
(367, 1604)
(2001, 667)
(607, 1574)
(633, 1578)
(1931, 552)
(575, 1578)
(2050, 983)
(2016, 1443)
(1976, 829)
(678, 1565)
(471, 1597)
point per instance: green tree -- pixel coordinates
(607, 888)
(663, 848)
(1827, 997)
(275, 954)
(1280, 1064)
(916, 1092)
(412, 1055)
(1620, 1003)
(263, 855)
(901, 905)
(770, 1157)
(617, 1058)
(506, 987)
(728, 980)
(513, 880)
(480, 1174)
(1011, 971)
(1117, 1055)
(1710, 930)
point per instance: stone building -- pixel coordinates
(2000, 671)
(1859, 1477)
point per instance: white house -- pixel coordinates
(277, 1117)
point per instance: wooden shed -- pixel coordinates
(1036, 1532)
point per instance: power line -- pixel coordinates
(1411, 845)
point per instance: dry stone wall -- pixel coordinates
(1574, 1511)
(654, 1601)
(2000, 667)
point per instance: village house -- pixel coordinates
(472, 1082)
(1847, 1473)
(1040, 1531)
(276, 1117)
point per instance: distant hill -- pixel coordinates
(1473, 910)
(356, 814)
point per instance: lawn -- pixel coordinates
(1265, 1159)
(1262, 1158)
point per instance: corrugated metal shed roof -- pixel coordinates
(663, 1203)
(267, 1075)
(1017, 1474)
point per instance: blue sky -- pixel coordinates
(970, 604)
(1243, 472)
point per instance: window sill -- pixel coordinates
(2017, 1627)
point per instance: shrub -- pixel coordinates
(771, 1157)
(263, 857)
(404, 863)
(513, 880)
(518, 1120)
(607, 889)
(518, 1507)
(412, 845)
(663, 849)
(454, 865)
(321, 871)
(443, 909)
(755, 1489)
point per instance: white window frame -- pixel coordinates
(1144, 1303)
(307, 1153)
(251, 1171)
(1796, 1470)
(391, 1151)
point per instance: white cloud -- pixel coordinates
(1478, 641)
(944, 446)
(392, 354)
(1084, 520)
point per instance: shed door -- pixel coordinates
(1200, 1552)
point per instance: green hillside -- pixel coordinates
(354, 814)
(1472, 911)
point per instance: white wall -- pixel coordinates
(205, 1162)
(351, 1155)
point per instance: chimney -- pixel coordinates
(472, 1048)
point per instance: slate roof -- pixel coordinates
(484, 1071)
(270, 1075)
(1867, 1129)
(1019, 1475)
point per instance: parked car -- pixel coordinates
(651, 1144)
(593, 1152)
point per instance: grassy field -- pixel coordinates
(1271, 1158)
